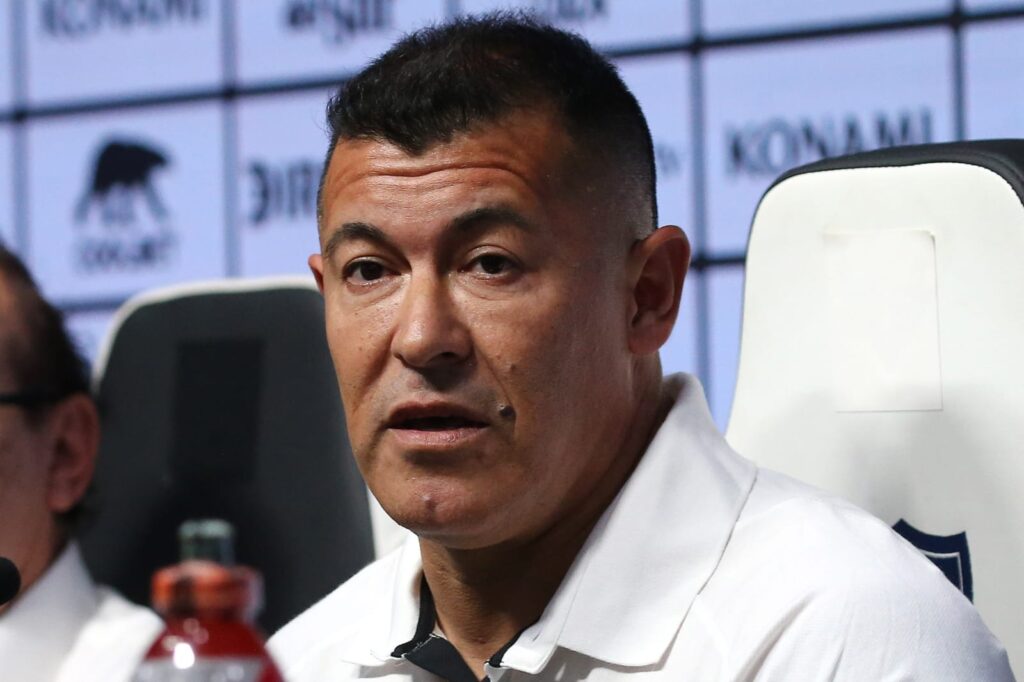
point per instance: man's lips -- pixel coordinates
(435, 416)
(438, 424)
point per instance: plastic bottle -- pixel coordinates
(208, 605)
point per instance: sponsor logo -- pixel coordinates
(123, 221)
(81, 18)
(338, 21)
(949, 552)
(570, 10)
(285, 190)
(767, 148)
(668, 159)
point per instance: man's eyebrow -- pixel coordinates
(353, 232)
(488, 215)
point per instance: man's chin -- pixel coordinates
(452, 523)
(456, 539)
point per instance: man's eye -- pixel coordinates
(365, 271)
(493, 264)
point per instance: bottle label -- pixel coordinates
(209, 670)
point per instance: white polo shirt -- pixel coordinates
(703, 568)
(64, 628)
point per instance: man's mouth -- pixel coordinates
(435, 425)
(448, 423)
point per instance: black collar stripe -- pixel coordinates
(495, 660)
(424, 625)
(436, 654)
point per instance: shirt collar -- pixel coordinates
(394, 622)
(652, 551)
(40, 627)
(632, 584)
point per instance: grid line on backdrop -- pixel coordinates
(955, 20)
(708, 261)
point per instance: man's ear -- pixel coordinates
(75, 441)
(316, 265)
(658, 266)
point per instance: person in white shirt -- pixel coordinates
(61, 626)
(496, 292)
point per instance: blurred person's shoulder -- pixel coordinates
(112, 644)
(66, 628)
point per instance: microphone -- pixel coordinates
(10, 580)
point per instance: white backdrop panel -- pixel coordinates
(606, 23)
(88, 329)
(8, 234)
(662, 86)
(739, 16)
(991, 4)
(87, 50)
(994, 73)
(6, 53)
(774, 107)
(282, 141)
(124, 201)
(286, 39)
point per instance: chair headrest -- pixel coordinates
(880, 347)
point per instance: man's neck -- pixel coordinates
(485, 597)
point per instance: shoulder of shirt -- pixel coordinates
(113, 642)
(335, 619)
(113, 608)
(820, 562)
(797, 522)
(829, 543)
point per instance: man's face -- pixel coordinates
(477, 310)
(26, 521)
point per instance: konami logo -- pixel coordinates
(769, 147)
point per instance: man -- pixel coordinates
(60, 627)
(496, 293)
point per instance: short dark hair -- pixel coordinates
(442, 80)
(43, 358)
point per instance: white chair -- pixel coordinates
(882, 352)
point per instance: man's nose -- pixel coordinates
(431, 332)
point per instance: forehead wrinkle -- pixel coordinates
(387, 189)
(510, 146)
(389, 179)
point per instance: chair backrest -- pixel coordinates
(881, 354)
(220, 400)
